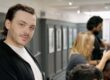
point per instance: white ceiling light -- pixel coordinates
(70, 3)
(78, 11)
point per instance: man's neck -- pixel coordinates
(9, 42)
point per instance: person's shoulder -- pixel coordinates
(74, 60)
(3, 50)
(78, 58)
(76, 55)
(1, 42)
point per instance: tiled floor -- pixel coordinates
(60, 76)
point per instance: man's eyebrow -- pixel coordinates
(22, 21)
(25, 22)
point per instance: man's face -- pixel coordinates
(21, 28)
(97, 29)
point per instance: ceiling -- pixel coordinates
(75, 5)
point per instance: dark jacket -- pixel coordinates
(13, 67)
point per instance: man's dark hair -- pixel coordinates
(85, 72)
(12, 11)
(94, 22)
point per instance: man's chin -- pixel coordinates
(23, 43)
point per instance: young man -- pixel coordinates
(85, 72)
(16, 62)
(94, 25)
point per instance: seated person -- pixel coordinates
(106, 71)
(85, 72)
(82, 50)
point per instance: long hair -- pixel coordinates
(83, 40)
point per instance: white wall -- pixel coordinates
(106, 29)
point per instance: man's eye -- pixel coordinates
(21, 24)
(32, 28)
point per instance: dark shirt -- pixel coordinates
(13, 67)
(97, 51)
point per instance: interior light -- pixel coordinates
(70, 3)
(78, 11)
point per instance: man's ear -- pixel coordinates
(7, 24)
(94, 28)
